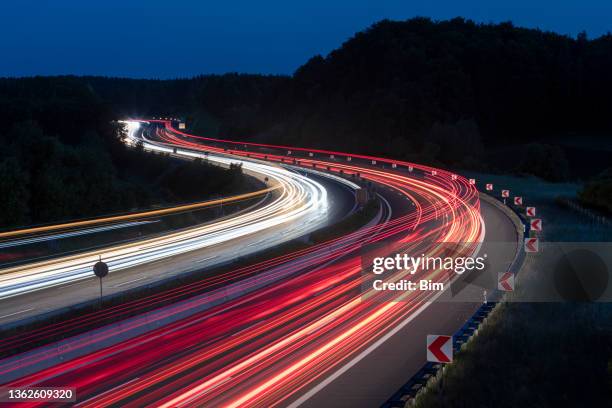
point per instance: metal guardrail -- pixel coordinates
(409, 391)
(418, 381)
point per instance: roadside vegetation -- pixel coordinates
(487, 97)
(597, 192)
(532, 354)
(61, 157)
(536, 354)
(490, 97)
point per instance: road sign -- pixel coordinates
(518, 200)
(454, 177)
(531, 245)
(310, 154)
(489, 187)
(349, 158)
(536, 224)
(505, 193)
(531, 211)
(472, 181)
(393, 165)
(373, 161)
(410, 168)
(439, 348)
(434, 173)
(100, 269)
(331, 156)
(505, 281)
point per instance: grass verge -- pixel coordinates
(531, 354)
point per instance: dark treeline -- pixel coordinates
(61, 157)
(490, 97)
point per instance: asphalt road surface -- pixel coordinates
(342, 201)
(378, 375)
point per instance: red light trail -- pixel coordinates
(266, 333)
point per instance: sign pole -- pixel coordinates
(100, 269)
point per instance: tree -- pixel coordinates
(546, 161)
(14, 192)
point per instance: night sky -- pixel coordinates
(168, 39)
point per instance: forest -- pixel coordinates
(62, 157)
(455, 93)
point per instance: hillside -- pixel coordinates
(61, 158)
(489, 97)
(457, 93)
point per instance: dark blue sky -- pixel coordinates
(172, 38)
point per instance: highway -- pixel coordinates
(299, 329)
(51, 299)
(298, 200)
(404, 352)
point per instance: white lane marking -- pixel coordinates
(205, 391)
(130, 281)
(107, 391)
(388, 217)
(329, 379)
(207, 259)
(16, 313)
(58, 236)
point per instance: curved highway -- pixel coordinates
(299, 200)
(298, 329)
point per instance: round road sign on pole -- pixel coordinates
(100, 270)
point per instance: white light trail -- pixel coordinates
(300, 200)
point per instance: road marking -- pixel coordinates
(207, 259)
(388, 207)
(72, 284)
(77, 233)
(248, 328)
(16, 313)
(133, 280)
(205, 391)
(329, 379)
(158, 261)
(107, 391)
